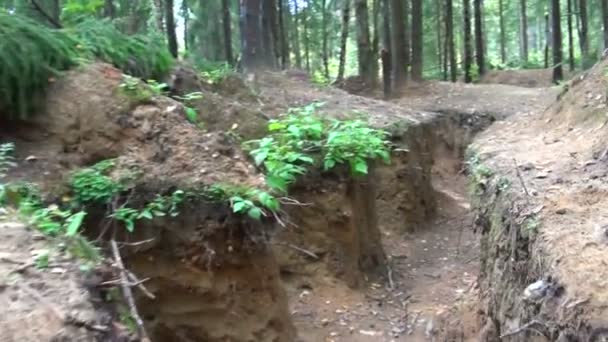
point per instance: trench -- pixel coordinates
(358, 267)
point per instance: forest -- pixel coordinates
(303, 170)
(334, 39)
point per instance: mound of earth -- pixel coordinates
(529, 78)
(540, 181)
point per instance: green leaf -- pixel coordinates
(360, 167)
(238, 207)
(255, 213)
(329, 164)
(276, 183)
(191, 114)
(74, 223)
(130, 225)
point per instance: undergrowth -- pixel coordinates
(301, 139)
(31, 55)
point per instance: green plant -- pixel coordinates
(160, 206)
(296, 140)
(190, 97)
(6, 158)
(93, 185)
(244, 200)
(191, 114)
(158, 88)
(42, 260)
(132, 88)
(214, 72)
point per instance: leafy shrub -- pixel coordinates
(30, 54)
(213, 72)
(245, 200)
(301, 138)
(93, 185)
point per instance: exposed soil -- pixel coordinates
(393, 257)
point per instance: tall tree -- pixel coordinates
(523, 31)
(503, 39)
(296, 44)
(479, 37)
(584, 32)
(158, 15)
(325, 33)
(306, 13)
(570, 36)
(417, 40)
(170, 21)
(468, 48)
(385, 53)
(364, 47)
(109, 10)
(227, 25)
(605, 21)
(283, 33)
(343, 39)
(399, 54)
(449, 39)
(556, 41)
(185, 13)
(252, 44)
(438, 16)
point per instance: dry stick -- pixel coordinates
(521, 179)
(45, 15)
(524, 327)
(126, 292)
(299, 249)
(140, 285)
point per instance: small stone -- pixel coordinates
(561, 211)
(31, 158)
(215, 155)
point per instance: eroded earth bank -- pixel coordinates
(447, 243)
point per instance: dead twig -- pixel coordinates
(140, 285)
(389, 267)
(521, 179)
(135, 244)
(525, 327)
(299, 249)
(128, 295)
(119, 281)
(292, 201)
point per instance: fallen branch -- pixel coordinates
(127, 294)
(521, 179)
(525, 327)
(299, 249)
(45, 15)
(119, 281)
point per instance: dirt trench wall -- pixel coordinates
(215, 279)
(521, 297)
(338, 225)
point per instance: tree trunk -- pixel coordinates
(584, 34)
(438, 15)
(109, 11)
(570, 37)
(364, 47)
(375, 37)
(252, 44)
(605, 21)
(547, 40)
(449, 38)
(385, 53)
(185, 11)
(325, 33)
(226, 23)
(269, 33)
(523, 31)
(343, 39)
(557, 41)
(283, 30)
(503, 40)
(399, 59)
(417, 40)
(479, 44)
(171, 35)
(468, 48)
(306, 13)
(296, 43)
(158, 15)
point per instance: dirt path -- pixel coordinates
(433, 274)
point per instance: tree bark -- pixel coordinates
(449, 38)
(170, 21)
(158, 15)
(227, 25)
(306, 13)
(503, 40)
(547, 40)
(252, 44)
(557, 41)
(438, 16)
(523, 31)
(297, 48)
(605, 21)
(570, 36)
(417, 40)
(584, 33)
(343, 39)
(325, 33)
(399, 59)
(109, 11)
(365, 53)
(468, 48)
(270, 31)
(385, 53)
(185, 12)
(283, 30)
(479, 43)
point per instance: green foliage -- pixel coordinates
(214, 72)
(134, 89)
(191, 114)
(93, 185)
(253, 202)
(30, 55)
(6, 159)
(158, 88)
(159, 207)
(297, 140)
(143, 56)
(77, 10)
